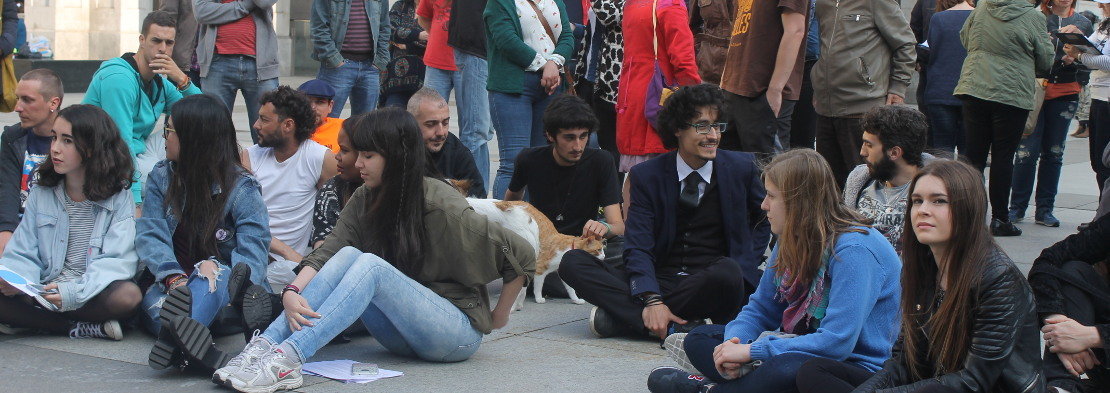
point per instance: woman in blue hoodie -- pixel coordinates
(76, 243)
(831, 290)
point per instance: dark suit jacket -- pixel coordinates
(650, 228)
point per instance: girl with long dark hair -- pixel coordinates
(77, 238)
(203, 215)
(830, 291)
(409, 257)
(968, 318)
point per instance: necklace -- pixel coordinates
(566, 194)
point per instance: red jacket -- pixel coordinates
(635, 136)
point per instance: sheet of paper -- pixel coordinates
(28, 287)
(340, 370)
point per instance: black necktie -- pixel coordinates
(688, 198)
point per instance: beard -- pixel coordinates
(884, 170)
(271, 142)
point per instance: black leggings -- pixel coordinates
(994, 128)
(820, 375)
(118, 300)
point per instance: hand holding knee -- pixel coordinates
(296, 308)
(1065, 335)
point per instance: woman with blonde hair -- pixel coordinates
(830, 291)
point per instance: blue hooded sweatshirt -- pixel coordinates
(116, 88)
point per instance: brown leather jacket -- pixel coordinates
(711, 22)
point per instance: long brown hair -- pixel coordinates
(815, 215)
(948, 328)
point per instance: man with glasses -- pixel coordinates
(694, 234)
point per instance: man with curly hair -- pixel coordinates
(290, 167)
(680, 271)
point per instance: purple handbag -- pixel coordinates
(659, 88)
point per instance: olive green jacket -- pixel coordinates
(1007, 46)
(463, 251)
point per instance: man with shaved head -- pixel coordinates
(452, 159)
(26, 144)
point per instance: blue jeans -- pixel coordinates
(946, 127)
(775, 375)
(404, 316)
(1046, 143)
(231, 73)
(518, 119)
(205, 305)
(357, 80)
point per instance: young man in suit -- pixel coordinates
(694, 236)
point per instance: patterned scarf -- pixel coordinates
(805, 307)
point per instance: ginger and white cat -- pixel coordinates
(531, 224)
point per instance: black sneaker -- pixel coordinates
(1004, 228)
(604, 325)
(257, 308)
(196, 343)
(674, 380)
(164, 353)
(238, 282)
(685, 327)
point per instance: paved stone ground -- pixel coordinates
(545, 348)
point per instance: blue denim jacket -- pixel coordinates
(37, 249)
(329, 28)
(243, 237)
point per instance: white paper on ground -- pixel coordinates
(21, 283)
(340, 370)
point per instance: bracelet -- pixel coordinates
(292, 288)
(608, 229)
(652, 299)
(184, 84)
(172, 280)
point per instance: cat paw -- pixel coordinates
(541, 300)
(578, 301)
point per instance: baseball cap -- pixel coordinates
(321, 89)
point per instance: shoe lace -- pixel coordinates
(256, 347)
(87, 329)
(265, 359)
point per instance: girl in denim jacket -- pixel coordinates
(203, 216)
(76, 242)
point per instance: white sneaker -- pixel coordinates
(677, 352)
(272, 372)
(254, 350)
(109, 330)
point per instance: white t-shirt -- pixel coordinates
(289, 190)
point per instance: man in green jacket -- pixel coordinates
(867, 55)
(136, 88)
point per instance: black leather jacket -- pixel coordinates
(1005, 346)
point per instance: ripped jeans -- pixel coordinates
(1045, 144)
(207, 299)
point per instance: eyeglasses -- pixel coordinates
(168, 130)
(705, 128)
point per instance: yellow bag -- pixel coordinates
(7, 81)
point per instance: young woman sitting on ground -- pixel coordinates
(77, 236)
(968, 319)
(830, 291)
(408, 257)
(203, 234)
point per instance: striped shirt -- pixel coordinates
(236, 38)
(358, 43)
(82, 216)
